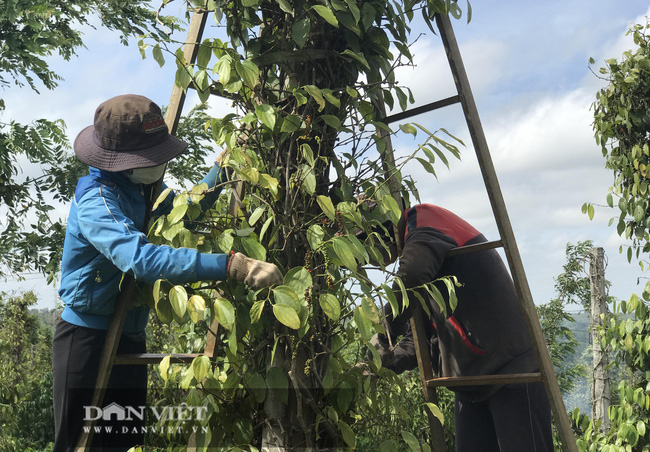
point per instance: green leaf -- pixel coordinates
(266, 114)
(326, 206)
(178, 300)
(256, 310)
(332, 121)
(177, 214)
(224, 312)
(315, 235)
(286, 315)
(285, 6)
(204, 53)
(329, 96)
(257, 213)
(161, 198)
(291, 123)
(357, 56)
(316, 94)
(265, 226)
(591, 211)
(196, 308)
(342, 250)
(164, 367)
(270, 182)
(223, 67)
(348, 434)
(369, 310)
(393, 208)
(285, 295)
(354, 9)
(158, 55)
(409, 128)
(388, 446)
(249, 72)
(307, 154)
(363, 323)
(435, 410)
(300, 32)
(254, 248)
(326, 14)
(411, 441)
(308, 180)
(298, 279)
(330, 306)
(200, 367)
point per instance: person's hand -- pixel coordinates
(380, 343)
(221, 156)
(253, 273)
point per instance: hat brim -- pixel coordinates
(105, 159)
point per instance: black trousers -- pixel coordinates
(516, 418)
(76, 354)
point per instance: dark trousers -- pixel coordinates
(516, 418)
(76, 354)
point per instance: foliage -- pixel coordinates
(561, 342)
(628, 341)
(26, 415)
(29, 33)
(400, 409)
(621, 124)
(308, 79)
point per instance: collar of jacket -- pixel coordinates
(117, 178)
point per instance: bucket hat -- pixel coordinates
(128, 132)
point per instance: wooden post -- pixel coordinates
(600, 391)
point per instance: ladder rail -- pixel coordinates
(505, 230)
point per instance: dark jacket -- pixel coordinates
(486, 334)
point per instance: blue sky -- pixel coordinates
(528, 65)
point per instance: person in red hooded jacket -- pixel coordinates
(485, 335)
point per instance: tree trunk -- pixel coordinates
(600, 392)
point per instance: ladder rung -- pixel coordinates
(482, 380)
(154, 358)
(475, 247)
(422, 109)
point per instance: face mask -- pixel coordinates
(145, 175)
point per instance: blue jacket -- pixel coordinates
(104, 239)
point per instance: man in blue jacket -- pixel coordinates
(127, 149)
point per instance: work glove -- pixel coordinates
(380, 343)
(253, 273)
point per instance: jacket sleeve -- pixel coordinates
(422, 256)
(215, 177)
(113, 234)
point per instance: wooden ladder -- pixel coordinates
(546, 372)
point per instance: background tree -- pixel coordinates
(621, 125)
(308, 79)
(26, 415)
(30, 32)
